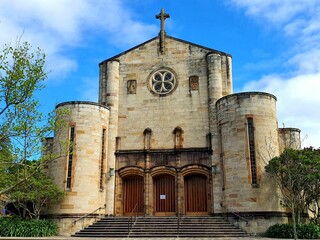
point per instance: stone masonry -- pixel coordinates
(169, 137)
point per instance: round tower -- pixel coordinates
(289, 138)
(79, 166)
(110, 74)
(248, 128)
(219, 72)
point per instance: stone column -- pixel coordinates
(147, 182)
(179, 187)
(229, 75)
(112, 101)
(226, 74)
(147, 178)
(214, 77)
(102, 83)
(215, 93)
(180, 194)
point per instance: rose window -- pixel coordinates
(162, 81)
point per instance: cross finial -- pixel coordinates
(162, 16)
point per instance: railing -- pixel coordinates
(235, 214)
(178, 225)
(133, 215)
(88, 214)
(238, 216)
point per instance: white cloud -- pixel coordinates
(60, 66)
(296, 18)
(56, 25)
(277, 11)
(306, 62)
(298, 95)
(298, 102)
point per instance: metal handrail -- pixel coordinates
(87, 214)
(130, 222)
(178, 225)
(238, 216)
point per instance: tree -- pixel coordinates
(23, 127)
(32, 195)
(296, 173)
(6, 159)
(21, 74)
(312, 188)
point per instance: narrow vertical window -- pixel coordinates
(252, 152)
(70, 156)
(102, 157)
(209, 141)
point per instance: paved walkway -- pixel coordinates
(77, 238)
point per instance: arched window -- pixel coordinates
(147, 138)
(178, 137)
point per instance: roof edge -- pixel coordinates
(81, 103)
(244, 94)
(200, 46)
(126, 51)
(114, 58)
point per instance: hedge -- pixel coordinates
(304, 231)
(15, 227)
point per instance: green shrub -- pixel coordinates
(304, 231)
(280, 231)
(308, 231)
(15, 227)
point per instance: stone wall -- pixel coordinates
(257, 225)
(196, 128)
(186, 107)
(86, 192)
(289, 138)
(181, 119)
(241, 193)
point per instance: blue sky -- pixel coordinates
(275, 44)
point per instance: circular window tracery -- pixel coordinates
(162, 81)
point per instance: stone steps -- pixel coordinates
(149, 227)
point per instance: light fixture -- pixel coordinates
(111, 172)
(214, 169)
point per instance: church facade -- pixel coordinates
(169, 137)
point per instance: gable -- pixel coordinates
(157, 40)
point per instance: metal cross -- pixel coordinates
(162, 16)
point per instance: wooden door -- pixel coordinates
(133, 195)
(196, 198)
(164, 195)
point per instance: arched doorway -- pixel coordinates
(196, 197)
(164, 195)
(133, 195)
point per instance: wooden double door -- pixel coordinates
(196, 197)
(165, 195)
(133, 196)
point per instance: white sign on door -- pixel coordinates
(162, 197)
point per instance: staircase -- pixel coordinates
(167, 227)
